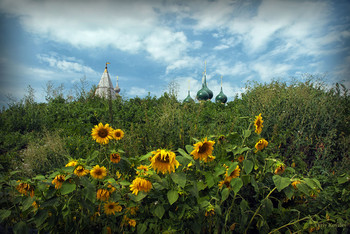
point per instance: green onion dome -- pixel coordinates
(188, 99)
(210, 93)
(221, 97)
(202, 94)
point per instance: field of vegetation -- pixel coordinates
(274, 160)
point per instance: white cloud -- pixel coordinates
(137, 91)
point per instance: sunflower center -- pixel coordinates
(111, 206)
(203, 148)
(163, 160)
(98, 172)
(102, 132)
(117, 134)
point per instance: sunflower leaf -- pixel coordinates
(248, 166)
(159, 211)
(184, 154)
(236, 184)
(280, 182)
(67, 188)
(189, 148)
(179, 178)
(172, 196)
(224, 194)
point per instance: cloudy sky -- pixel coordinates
(152, 43)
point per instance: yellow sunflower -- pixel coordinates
(140, 184)
(72, 163)
(142, 170)
(103, 194)
(233, 174)
(240, 158)
(258, 124)
(98, 172)
(25, 188)
(132, 222)
(294, 183)
(118, 134)
(115, 158)
(203, 149)
(280, 169)
(261, 144)
(111, 188)
(58, 181)
(81, 171)
(164, 161)
(102, 134)
(112, 207)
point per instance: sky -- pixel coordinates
(153, 43)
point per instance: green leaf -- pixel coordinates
(28, 203)
(4, 214)
(248, 166)
(172, 196)
(224, 194)
(140, 196)
(304, 188)
(159, 211)
(40, 217)
(184, 154)
(246, 133)
(39, 177)
(124, 183)
(343, 179)
(20, 227)
(280, 182)
(254, 184)
(209, 178)
(146, 156)
(189, 148)
(289, 192)
(312, 184)
(67, 188)
(232, 168)
(179, 178)
(240, 150)
(266, 207)
(141, 228)
(236, 184)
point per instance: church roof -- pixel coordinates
(105, 86)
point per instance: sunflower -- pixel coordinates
(25, 188)
(98, 172)
(58, 181)
(81, 171)
(240, 158)
(164, 161)
(203, 149)
(72, 163)
(102, 134)
(258, 124)
(115, 157)
(209, 210)
(294, 183)
(111, 188)
(233, 174)
(224, 182)
(280, 169)
(132, 222)
(261, 144)
(112, 207)
(103, 194)
(142, 170)
(118, 134)
(140, 184)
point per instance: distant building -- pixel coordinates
(105, 87)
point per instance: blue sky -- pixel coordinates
(152, 43)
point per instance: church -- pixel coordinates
(105, 87)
